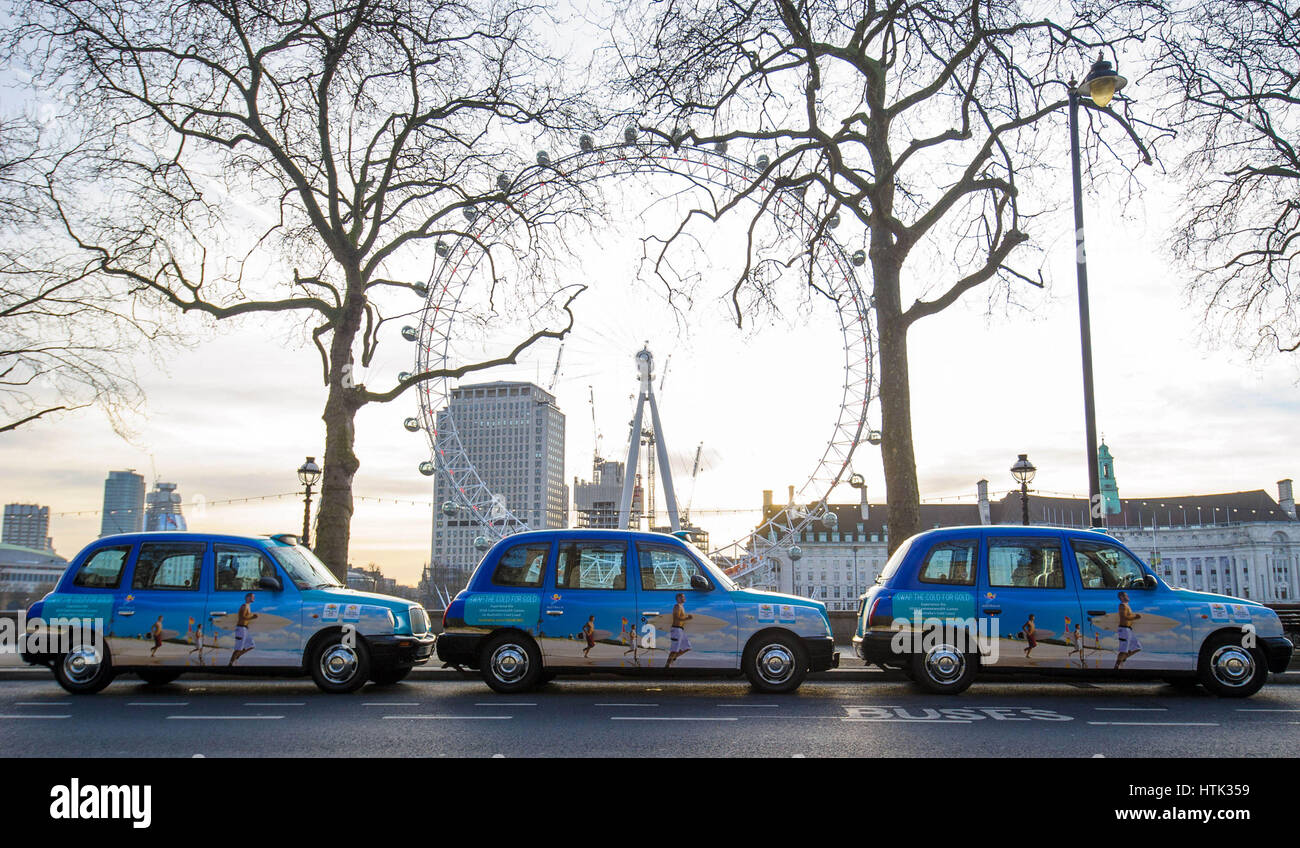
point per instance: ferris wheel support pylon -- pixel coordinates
(645, 373)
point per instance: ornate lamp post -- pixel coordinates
(308, 474)
(1023, 472)
(1100, 86)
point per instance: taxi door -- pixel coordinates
(1030, 603)
(587, 615)
(250, 622)
(154, 618)
(673, 587)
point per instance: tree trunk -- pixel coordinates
(902, 492)
(334, 519)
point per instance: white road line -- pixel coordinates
(1156, 723)
(390, 704)
(912, 720)
(42, 703)
(673, 718)
(222, 717)
(34, 716)
(626, 705)
(157, 703)
(504, 704)
(1263, 710)
(450, 717)
(746, 706)
(1133, 709)
(275, 703)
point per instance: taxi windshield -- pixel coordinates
(305, 570)
(715, 572)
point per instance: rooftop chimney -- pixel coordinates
(983, 488)
(1284, 498)
(767, 503)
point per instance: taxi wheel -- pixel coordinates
(84, 670)
(158, 677)
(944, 670)
(389, 676)
(340, 666)
(510, 663)
(1230, 670)
(775, 663)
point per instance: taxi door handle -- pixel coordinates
(216, 613)
(126, 612)
(649, 613)
(555, 612)
(993, 610)
(1096, 612)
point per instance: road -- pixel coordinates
(456, 717)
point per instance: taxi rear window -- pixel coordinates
(522, 565)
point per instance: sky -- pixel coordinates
(234, 414)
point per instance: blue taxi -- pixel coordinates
(550, 602)
(953, 603)
(163, 604)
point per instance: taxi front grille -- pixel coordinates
(419, 621)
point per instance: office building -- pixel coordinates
(163, 509)
(27, 526)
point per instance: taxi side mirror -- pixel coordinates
(1149, 581)
(271, 584)
(699, 583)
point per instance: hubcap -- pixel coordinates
(339, 663)
(944, 664)
(775, 663)
(509, 663)
(1233, 665)
(81, 664)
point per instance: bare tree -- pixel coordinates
(325, 147)
(924, 121)
(66, 338)
(1233, 70)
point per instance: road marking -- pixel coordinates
(673, 718)
(912, 720)
(391, 704)
(746, 706)
(157, 703)
(450, 717)
(32, 715)
(1157, 723)
(504, 704)
(222, 717)
(42, 703)
(1133, 709)
(275, 703)
(1263, 710)
(627, 705)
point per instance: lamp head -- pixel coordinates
(1023, 471)
(1102, 82)
(309, 472)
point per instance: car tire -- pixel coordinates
(158, 676)
(944, 670)
(1228, 669)
(775, 663)
(390, 676)
(338, 667)
(510, 663)
(84, 670)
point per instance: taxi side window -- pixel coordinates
(239, 568)
(1026, 564)
(522, 565)
(591, 565)
(103, 569)
(1103, 566)
(667, 569)
(952, 563)
(168, 565)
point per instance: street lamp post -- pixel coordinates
(1099, 86)
(1023, 472)
(308, 474)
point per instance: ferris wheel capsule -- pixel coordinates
(421, 289)
(543, 158)
(442, 249)
(830, 520)
(503, 182)
(721, 147)
(585, 144)
(403, 376)
(833, 221)
(411, 424)
(470, 213)
(796, 553)
(629, 134)
(859, 258)
(410, 333)
(762, 162)
(449, 508)
(481, 543)
(426, 468)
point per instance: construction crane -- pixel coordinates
(695, 472)
(595, 434)
(555, 375)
